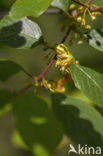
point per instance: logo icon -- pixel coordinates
(72, 149)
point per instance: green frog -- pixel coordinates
(64, 58)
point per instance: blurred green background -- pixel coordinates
(32, 60)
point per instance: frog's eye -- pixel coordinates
(63, 47)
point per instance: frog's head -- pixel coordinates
(61, 49)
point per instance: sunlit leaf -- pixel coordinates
(20, 34)
(89, 82)
(35, 8)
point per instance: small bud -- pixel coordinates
(74, 13)
(79, 42)
(75, 35)
(85, 35)
(83, 22)
(88, 27)
(77, 62)
(36, 81)
(80, 8)
(72, 6)
(79, 19)
(96, 13)
(93, 18)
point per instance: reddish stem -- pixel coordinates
(40, 76)
(67, 34)
(48, 67)
(96, 9)
(86, 6)
(78, 2)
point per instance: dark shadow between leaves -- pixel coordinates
(100, 32)
(41, 41)
(89, 37)
(99, 109)
(79, 130)
(10, 35)
(98, 43)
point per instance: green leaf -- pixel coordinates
(5, 101)
(95, 38)
(8, 69)
(61, 4)
(35, 8)
(89, 82)
(36, 124)
(82, 123)
(79, 95)
(20, 34)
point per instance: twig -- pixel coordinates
(30, 75)
(69, 15)
(41, 76)
(67, 34)
(78, 2)
(96, 9)
(87, 6)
